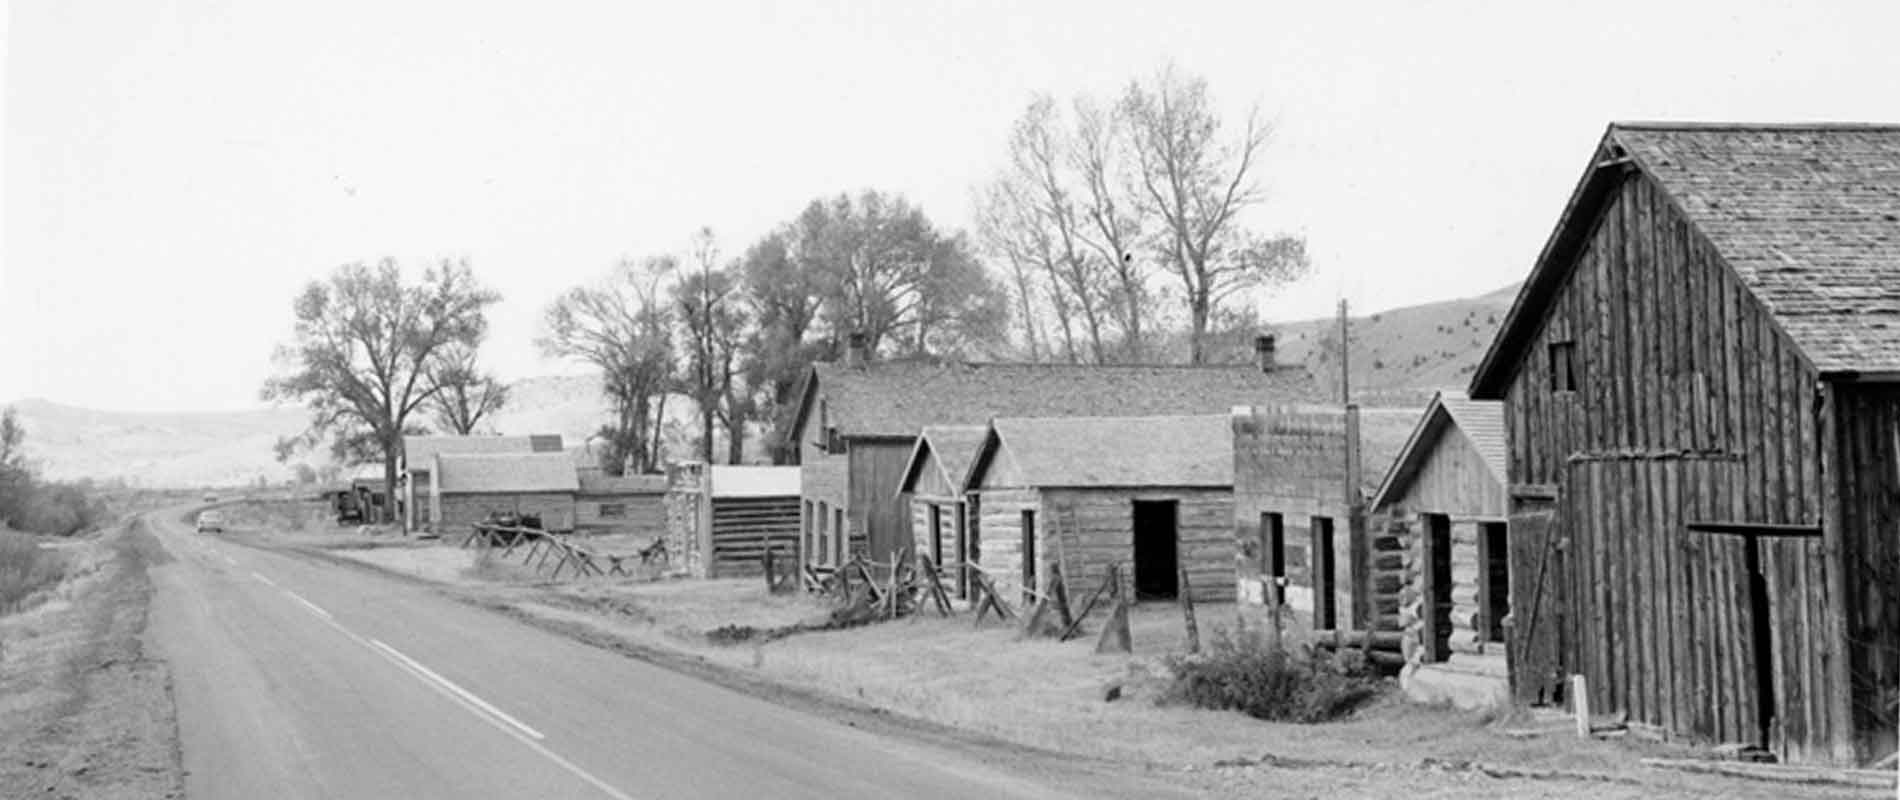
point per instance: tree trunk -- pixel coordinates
(389, 478)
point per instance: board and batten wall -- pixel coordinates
(1868, 496)
(1690, 405)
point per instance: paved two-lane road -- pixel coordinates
(296, 678)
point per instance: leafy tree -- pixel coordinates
(363, 345)
(463, 395)
(624, 327)
(1197, 184)
(15, 479)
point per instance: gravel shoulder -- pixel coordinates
(84, 712)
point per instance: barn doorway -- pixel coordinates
(1156, 557)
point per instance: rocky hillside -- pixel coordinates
(1402, 355)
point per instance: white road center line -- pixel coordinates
(459, 691)
(263, 580)
(314, 608)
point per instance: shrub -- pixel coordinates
(1244, 673)
(25, 568)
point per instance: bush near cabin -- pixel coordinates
(1248, 674)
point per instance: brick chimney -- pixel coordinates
(1263, 352)
(854, 351)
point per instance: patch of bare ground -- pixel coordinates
(953, 681)
(83, 712)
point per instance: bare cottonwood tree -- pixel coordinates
(363, 345)
(1197, 184)
(463, 395)
(713, 317)
(622, 326)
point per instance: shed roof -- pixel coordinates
(1113, 451)
(467, 473)
(754, 481)
(1481, 422)
(901, 398)
(953, 446)
(419, 450)
(1807, 216)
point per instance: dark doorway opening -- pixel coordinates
(972, 542)
(1325, 601)
(1156, 558)
(1029, 557)
(1494, 595)
(936, 533)
(1437, 588)
(1273, 556)
(1762, 637)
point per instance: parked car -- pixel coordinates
(210, 522)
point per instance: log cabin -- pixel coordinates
(933, 484)
(1701, 389)
(418, 457)
(1154, 495)
(856, 423)
(470, 487)
(1302, 473)
(1444, 498)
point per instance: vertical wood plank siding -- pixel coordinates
(1692, 405)
(1869, 492)
(879, 516)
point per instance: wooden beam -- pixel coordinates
(1754, 529)
(1840, 701)
(1534, 491)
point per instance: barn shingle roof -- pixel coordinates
(469, 473)
(1807, 215)
(901, 398)
(1115, 451)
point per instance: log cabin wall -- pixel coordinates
(1001, 554)
(1869, 498)
(1097, 528)
(1687, 403)
(1290, 461)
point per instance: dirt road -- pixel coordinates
(295, 678)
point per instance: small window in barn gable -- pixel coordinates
(834, 443)
(613, 510)
(1563, 367)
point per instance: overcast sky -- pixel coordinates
(175, 169)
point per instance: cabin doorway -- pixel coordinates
(1325, 591)
(1273, 557)
(1494, 564)
(1436, 571)
(1029, 557)
(1156, 555)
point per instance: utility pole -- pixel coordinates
(1345, 356)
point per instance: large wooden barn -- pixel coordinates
(1446, 494)
(857, 421)
(1701, 380)
(1151, 494)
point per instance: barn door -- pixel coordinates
(1537, 582)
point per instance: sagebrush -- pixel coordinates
(25, 568)
(1248, 674)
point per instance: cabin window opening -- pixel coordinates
(834, 441)
(613, 510)
(804, 532)
(839, 530)
(1273, 556)
(824, 533)
(1563, 367)
(1325, 601)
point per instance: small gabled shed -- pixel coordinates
(1701, 383)
(1446, 489)
(469, 487)
(1151, 494)
(933, 484)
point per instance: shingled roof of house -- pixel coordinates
(1481, 422)
(418, 450)
(901, 398)
(471, 473)
(1112, 451)
(1807, 215)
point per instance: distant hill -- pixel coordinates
(1398, 358)
(1402, 355)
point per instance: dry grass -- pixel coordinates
(26, 569)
